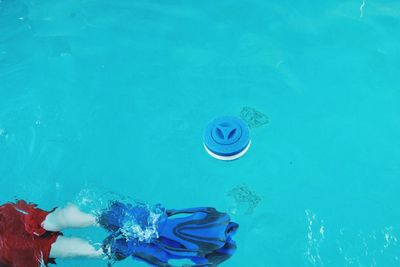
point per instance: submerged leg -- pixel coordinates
(68, 217)
(71, 247)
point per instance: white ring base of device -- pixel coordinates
(227, 158)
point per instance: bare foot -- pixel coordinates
(68, 217)
(71, 247)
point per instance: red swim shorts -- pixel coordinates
(23, 241)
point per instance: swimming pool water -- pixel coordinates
(112, 97)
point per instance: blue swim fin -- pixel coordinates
(204, 236)
(201, 235)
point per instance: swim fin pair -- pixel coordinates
(201, 235)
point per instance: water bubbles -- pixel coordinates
(137, 222)
(142, 230)
(131, 223)
(85, 197)
(140, 223)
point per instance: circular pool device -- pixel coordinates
(227, 138)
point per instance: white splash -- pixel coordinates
(143, 233)
(390, 238)
(315, 236)
(362, 8)
(322, 231)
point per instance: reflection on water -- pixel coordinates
(253, 117)
(315, 237)
(245, 199)
(351, 247)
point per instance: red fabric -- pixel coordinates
(23, 241)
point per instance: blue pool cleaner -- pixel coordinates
(156, 235)
(227, 138)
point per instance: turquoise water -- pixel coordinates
(105, 98)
